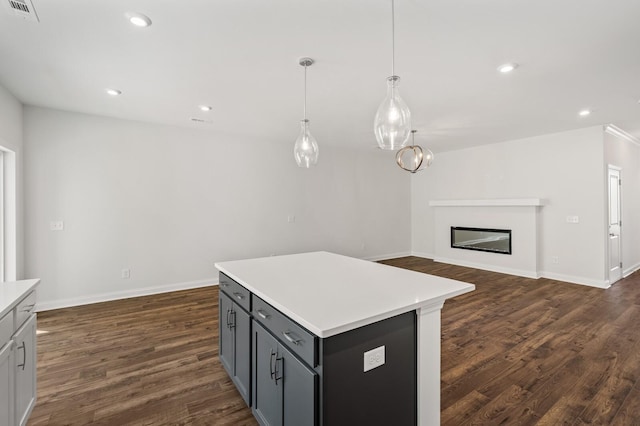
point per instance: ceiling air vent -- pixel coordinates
(23, 9)
(200, 120)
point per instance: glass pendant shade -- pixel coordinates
(305, 149)
(392, 124)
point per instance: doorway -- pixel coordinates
(615, 224)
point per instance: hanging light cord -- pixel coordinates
(393, 39)
(305, 91)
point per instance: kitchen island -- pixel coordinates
(324, 339)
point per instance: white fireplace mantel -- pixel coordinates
(494, 202)
(520, 215)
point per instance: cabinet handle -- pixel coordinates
(272, 364)
(28, 308)
(224, 284)
(231, 316)
(24, 355)
(232, 324)
(240, 296)
(261, 314)
(287, 335)
(275, 376)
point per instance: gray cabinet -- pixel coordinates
(296, 378)
(6, 383)
(235, 344)
(25, 367)
(284, 389)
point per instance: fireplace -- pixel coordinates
(481, 239)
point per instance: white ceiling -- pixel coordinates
(241, 57)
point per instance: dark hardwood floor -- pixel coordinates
(516, 351)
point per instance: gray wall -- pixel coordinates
(565, 169)
(11, 137)
(167, 202)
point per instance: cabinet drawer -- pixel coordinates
(25, 308)
(294, 337)
(6, 328)
(235, 291)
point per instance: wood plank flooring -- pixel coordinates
(516, 351)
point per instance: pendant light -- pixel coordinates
(392, 124)
(414, 158)
(305, 149)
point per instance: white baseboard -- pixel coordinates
(527, 274)
(387, 256)
(423, 255)
(117, 295)
(485, 267)
(630, 270)
(576, 280)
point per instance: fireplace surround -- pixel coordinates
(520, 215)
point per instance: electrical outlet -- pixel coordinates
(373, 358)
(555, 260)
(291, 219)
(126, 274)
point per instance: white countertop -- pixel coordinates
(12, 292)
(329, 294)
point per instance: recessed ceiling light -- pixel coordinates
(507, 68)
(205, 108)
(113, 92)
(584, 113)
(138, 19)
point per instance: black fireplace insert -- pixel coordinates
(481, 239)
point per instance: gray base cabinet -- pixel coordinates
(235, 344)
(284, 389)
(299, 379)
(17, 352)
(25, 360)
(6, 383)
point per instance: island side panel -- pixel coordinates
(384, 395)
(428, 332)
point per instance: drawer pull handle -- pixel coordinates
(28, 308)
(240, 296)
(224, 284)
(262, 315)
(287, 335)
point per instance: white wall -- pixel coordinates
(623, 153)
(565, 169)
(11, 123)
(167, 202)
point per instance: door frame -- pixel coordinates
(618, 169)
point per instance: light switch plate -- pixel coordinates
(373, 358)
(573, 219)
(57, 225)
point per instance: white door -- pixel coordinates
(615, 225)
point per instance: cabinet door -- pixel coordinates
(267, 391)
(226, 333)
(25, 362)
(6, 384)
(300, 386)
(242, 353)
